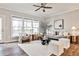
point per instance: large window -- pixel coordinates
(20, 25)
(16, 26)
(31, 26)
(28, 26)
(35, 26)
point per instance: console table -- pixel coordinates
(74, 39)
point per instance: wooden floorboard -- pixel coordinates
(72, 51)
(15, 50)
(11, 51)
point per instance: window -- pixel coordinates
(31, 26)
(16, 26)
(28, 26)
(20, 25)
(35, 26)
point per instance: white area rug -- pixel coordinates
(35, 48)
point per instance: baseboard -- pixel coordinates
(8, 42)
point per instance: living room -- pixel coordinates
(24, 24)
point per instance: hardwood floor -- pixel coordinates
(72, 51)
(12, 49)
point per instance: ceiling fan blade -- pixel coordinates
(48, 7)
(37, 9)
(43, 10)
(36, 6)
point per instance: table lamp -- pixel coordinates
(74, 30)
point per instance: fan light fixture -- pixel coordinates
(43, 6)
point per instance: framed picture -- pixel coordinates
(59, 24)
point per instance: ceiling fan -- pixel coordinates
(43, 6)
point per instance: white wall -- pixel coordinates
(6, 15)
(70, 19)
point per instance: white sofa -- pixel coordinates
(56, 48)
(66, 42)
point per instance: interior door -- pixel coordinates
(0, 28)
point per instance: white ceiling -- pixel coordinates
(29, 8)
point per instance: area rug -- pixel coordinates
(35, 48)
